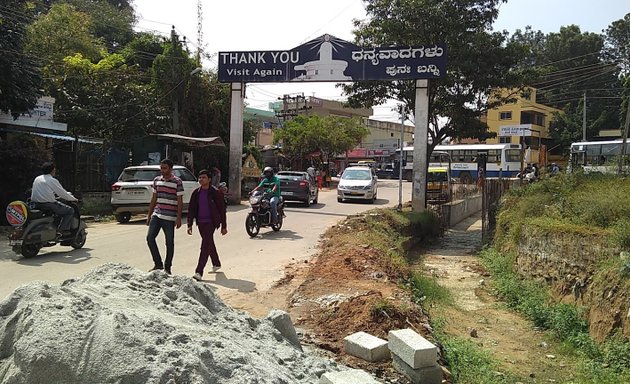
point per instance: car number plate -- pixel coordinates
(286, 193)
(136, 192)
(15, 242)
(355, 193)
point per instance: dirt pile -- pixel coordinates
(118, 324)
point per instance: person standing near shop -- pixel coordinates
(207, 208)
(165, 213)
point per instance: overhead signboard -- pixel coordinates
(328, 58)
(516, 130)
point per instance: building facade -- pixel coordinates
(523, 121)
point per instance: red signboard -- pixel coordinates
(357, 152)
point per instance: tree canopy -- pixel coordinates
(20, 73)
(479, 60)
(330, 134)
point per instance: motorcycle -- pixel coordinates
(260, 215)
(35, 229)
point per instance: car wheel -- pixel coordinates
(339, 200)
(307, 203)
(123, 218)
(316, 197)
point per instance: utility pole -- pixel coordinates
(400, 160)
(584, 119)
(622, 152)
(420, 147)
(175, 101)
(292, 105)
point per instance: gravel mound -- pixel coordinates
(120, 325)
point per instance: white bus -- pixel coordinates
(502, 159)
(598, 156)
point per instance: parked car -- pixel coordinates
(386, 172)
(132, 193)
(298, 186)
(357, 183)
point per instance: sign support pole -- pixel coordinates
(403, 115)
(420, 144)
(236, 141)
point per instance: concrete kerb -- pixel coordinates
(366, 347)
(412, 348)
(425, 375)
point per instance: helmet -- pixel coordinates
(268, 170)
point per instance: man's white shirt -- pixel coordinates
(46, 189)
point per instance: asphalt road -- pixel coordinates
(250, 265)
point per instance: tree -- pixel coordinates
(478, 63)
(617, 47)
(572, 65)
(63, 31)
(106, 100)
(331, 135)
(20, 74)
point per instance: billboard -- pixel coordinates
(328, 58)
(515, 130)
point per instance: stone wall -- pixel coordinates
(570, 262)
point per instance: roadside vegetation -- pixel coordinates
(593, 203)
(577, 205)
(607, 362)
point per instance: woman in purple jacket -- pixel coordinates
(208, 209)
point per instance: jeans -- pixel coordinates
(168, 227)
(206, 230)
(274, 208)
(65, 211)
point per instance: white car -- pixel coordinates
(133, 191)
(357, 183)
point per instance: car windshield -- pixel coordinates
(356, 174)
(290, 176)
(436, 176)
(139, 175)
(184, 174)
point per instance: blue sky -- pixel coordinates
(244, 25)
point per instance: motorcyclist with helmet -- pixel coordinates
(271, 185)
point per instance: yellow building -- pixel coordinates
(526, 122)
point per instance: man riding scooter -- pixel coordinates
(46, 189)
(271, 184)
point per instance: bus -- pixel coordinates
(502, 159)
(598, 156)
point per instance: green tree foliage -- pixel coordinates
(20, 75)
(106, 99)
(63, 31)
(617, 48)
(331, 135)
(571, 63)
(478, 62)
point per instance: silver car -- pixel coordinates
(132, 192)
(357, 183)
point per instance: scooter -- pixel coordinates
(35, 229)
(260, 215)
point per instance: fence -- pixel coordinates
(492, 191)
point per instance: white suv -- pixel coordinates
(133, 191)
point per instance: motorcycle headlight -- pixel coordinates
(253, 200)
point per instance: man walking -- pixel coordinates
(165, 213)
(207, 207)
(44, 195)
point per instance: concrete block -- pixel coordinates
(282, 322)
(424, 375)
(352, 376)
(412, 348)
(366, 347)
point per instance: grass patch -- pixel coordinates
(575, 203)
(608, 362)
(426, 289)
(468, 362)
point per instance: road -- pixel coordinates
(250, 266)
